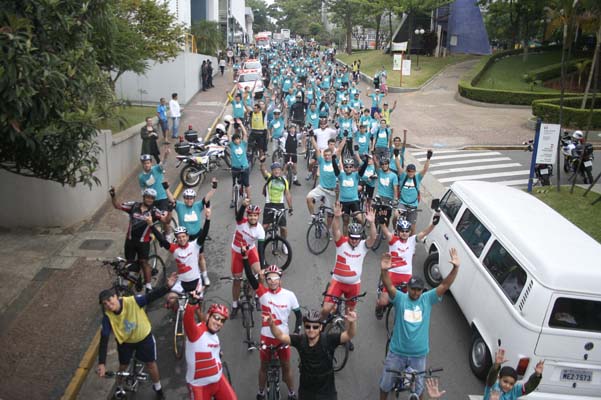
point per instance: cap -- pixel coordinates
(411, 167)
(385, 103)
(415, 283)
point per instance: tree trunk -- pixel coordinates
(590, 75)
(349, 33)
(410, 31)
(390, 29)
(378, 22)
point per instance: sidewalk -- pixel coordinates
(49, 280)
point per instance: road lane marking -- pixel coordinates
(475, 168)
(423, 153)
(484, 176)
(479, 160)
(516, 182)
(488, 153)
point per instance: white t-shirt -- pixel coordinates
(402, 254)
(349, 261)
(278, 305)
(322, 136)
(247, 235)
(174, 109)
(202, 358)
(186, 261)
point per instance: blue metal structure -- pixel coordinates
(466, 32)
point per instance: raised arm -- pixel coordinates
(277, 332)
(448, 281)
(370, 216)
(250, 276)
(385, 265)
(114, 200)
(426, 164)
(429, 228)
(351, 327)
(336, 221)
(192, 329)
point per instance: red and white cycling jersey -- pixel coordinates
(186, 260)
(278, 305)
(247, 235)
(202, 352)
(349, 261)
(402, 254)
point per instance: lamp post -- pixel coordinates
(419, 32)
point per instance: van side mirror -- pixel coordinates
(435, 204)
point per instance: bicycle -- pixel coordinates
(128, 279)
(405, 211)
(253, 153)
(318, 234)
(273, 371)
(381, 206)
(335, 324)
(277, 249)
(130, 379)
(406, 380)
(389, 319)
(245, 302)
(238, 192)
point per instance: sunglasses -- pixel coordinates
(405, 230)
(312, 327)
(188, 198)
(218, 318)
(273, 279)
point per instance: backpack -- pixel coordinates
(419, 195)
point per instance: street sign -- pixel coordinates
(402, 46)
(406, 68)
(396, 62)
(547, 143)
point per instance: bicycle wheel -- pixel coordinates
(278, 252)
(318, 237)
(278, 156)
(273, 390)
(159, 274)
(192, 175)
(226, 371)
(236, 197)
(179, 338)
(378, 240)
(340, 356)
(247, 320)
(389, 320)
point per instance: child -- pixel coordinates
(506, 387)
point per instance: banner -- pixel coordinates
(406, 68)
(547, 143)
(396, 62)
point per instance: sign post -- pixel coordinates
(544, 147)
(397, 61)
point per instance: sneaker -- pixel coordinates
(234, 312)
(292, 396)
(309, 177)
(232, 205)
(296, 183)
(351, 346)
(260, 396)
(205, 280)
(170, 238)
(159, 393)
(147, 290)
(379, 312)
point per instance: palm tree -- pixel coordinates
(209, 37)
(593, 12)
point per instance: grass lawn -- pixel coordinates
(130, 116)
(372, 61)
(507, 73)
(575, 208)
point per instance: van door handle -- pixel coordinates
(446, 236)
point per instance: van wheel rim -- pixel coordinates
(478, 353)
(435, 273)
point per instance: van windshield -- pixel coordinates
(578, 314)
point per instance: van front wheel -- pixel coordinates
(432, 271)
(480, 359)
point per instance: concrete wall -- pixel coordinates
(182, 76)
(32, 202)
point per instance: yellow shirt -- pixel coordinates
(257, 121)
(131, 325)
(386, 115)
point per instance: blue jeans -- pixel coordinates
(400, 363)
(175, 126)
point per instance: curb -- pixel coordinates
(482, 104)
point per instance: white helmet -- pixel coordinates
(189, 193)
(220, 128)
(277, 110)
(577, 135)
(228, 118)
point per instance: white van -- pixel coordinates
(529, 280)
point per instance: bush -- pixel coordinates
(552, 71)
(573, 116)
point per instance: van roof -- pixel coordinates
(555, 251)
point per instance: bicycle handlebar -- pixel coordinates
(124, 374)
(342, 299)
(428, 372)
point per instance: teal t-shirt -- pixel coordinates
(190, 217)
(237, 109)
(349, 183)
(362, 139)
(408, 193)
(376, 99)
(277, 127)
(516, 391)
(401, 158)
(411, 334)
(153, 180)
(386, 183)
(327, 177)
(238, 155)
(382, 135)
(369, 171)
(312, 119)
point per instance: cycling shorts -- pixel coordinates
(220, 390)
(243, 175)
(397, 279)
(383, 215)
(258, 137)
(265, 355)
(238, 266)
(182, 287)
(145, 349)
(349, 207)
(162, 204)
(369, 191)
(136, 250)
(268, 215)
(338, 289)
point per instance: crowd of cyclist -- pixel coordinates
(310, 105)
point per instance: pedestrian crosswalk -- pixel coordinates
(449, 166)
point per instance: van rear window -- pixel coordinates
(578, 314)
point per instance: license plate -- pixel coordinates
(581, 375)
(544, 171)
(588, 163)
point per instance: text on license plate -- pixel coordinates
(544, 171)
(588, 163)
(581, 375)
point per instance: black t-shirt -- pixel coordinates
(316, 369)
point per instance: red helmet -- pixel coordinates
(253, 209)
(219, 309)
(272, 269)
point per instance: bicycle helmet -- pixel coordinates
(385, 160)
(219, 309)
(277, 111)
(403, 225)
(253, 209)
(312, 316)
(348, 161)
(577, 135)
(276, 165)
(228, 118)
(150, 192)
(145, 157)
(189, 193)
(180, 229)
(272, 269)
(355, 230)
(220, 128)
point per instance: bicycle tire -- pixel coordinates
(341, 353)
(226, 371)
(153, 250)
(159, 273)
(227, 157)
(387, 346)
(247, 320)
(179, 337)
(273, 391)
(318, 237)
(289, 176)
(236, 194)
(378, 240)
(274, 254)
(192, 176)
(278, 156)
(389, 320)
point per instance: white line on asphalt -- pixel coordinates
(475, 397)
(516, 182)
(475, 168)
(466, 154)
(423, 153)
(484, 176)
(479, 160)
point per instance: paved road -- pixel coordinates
(307, 277)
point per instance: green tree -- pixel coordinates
(348, 13)
(261, 22)
(53, 89)
(209, 37)
(296, 15)
(135, 32)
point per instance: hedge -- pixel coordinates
(573, 116)
(467, 85)
(552, 71)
